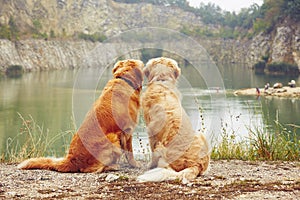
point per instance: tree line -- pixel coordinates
(257, 18)
(247, 22)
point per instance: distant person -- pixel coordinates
(267, 86)
(292, 84)
(257, 91)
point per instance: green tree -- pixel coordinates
(37, 25)
(210, 13)
(179, 3)
(37, 28)
(14, 31)
(292, 9)
(52, 34)
(5, 32)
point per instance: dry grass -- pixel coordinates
(33, 140)
(262, 144)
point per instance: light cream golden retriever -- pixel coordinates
(107, 129)
(177, 152)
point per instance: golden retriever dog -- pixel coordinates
(107, 129)
(177, 151)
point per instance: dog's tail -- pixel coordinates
(168, 174)
(54, 164)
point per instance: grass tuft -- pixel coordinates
(37, 142)
(262, 144)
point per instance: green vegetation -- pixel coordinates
(14, 71)
(280, 143)
(254, 19)
(262, 144)
(52, 34)
(5, 32)
(96, 37)
(260, 67)
(248, 22)
(282, 67)
(37, 142)
(179, 3)
(10, 31)
(36, 32)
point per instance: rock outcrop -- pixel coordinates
(281, 45)
(90, 16)
(65, 19)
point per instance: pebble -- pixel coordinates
(111, 177)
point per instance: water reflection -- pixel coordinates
(49, 98)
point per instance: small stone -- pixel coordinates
(111, 177)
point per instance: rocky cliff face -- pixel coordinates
(40, 54)
(281, 45)
(106, 16)
(70, 17)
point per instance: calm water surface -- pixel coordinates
(55, 99)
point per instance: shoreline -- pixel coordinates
(278, 92)
(232, 179)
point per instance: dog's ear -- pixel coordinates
(118, 65)
(146, 71)
(177, 72)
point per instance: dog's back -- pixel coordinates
(107, 128)
(173, 141)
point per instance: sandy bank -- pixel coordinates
(280, 92)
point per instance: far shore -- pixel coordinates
(279, 92)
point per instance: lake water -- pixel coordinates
(55, 99)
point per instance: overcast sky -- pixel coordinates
(229, 5)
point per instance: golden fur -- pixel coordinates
(107, 128)
(173, 141)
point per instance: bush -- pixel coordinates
(261, 144)
(5, 32)
(282, 68)
(14, 71)
(96, 37)
(260, 67)
(265, 58)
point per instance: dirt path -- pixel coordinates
(225, 180)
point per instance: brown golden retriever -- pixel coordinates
(177, 152)
(107, 128)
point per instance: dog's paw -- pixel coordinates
(135, 164)
(151, 165)
(113, 167)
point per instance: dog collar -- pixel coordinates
(129, 83)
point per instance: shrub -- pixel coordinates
(5, 32)
(260, 67)
(279, 144)
(265, 58)
(282, 68)
(52, 34)
(96, 37)
(14, 71)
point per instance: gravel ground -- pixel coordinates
(225, 180)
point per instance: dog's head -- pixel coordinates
(130, 71)
(162, 69)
